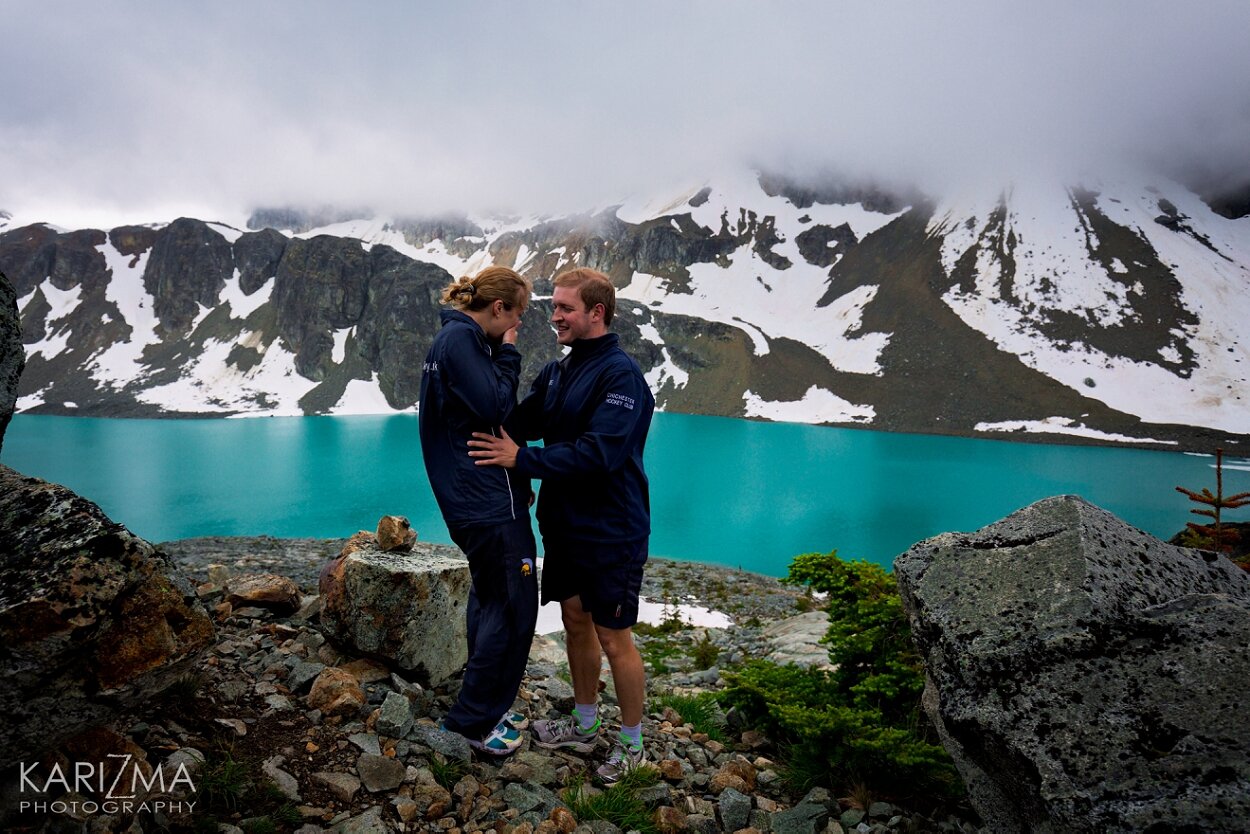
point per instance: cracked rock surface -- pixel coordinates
(1085, 675)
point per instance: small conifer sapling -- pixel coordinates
(1215, 535)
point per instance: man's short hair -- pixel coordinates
(592, 287)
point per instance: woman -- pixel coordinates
(468, 384)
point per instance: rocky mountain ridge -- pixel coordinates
(1107, 314)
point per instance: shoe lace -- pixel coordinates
(570, 724)
(563, 726)
(623, 753)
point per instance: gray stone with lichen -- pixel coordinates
(405, 609)
(1085, 675)
(93, 619)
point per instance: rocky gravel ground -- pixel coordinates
(281, 731)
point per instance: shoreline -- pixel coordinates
(697, 591)
(1163, 437)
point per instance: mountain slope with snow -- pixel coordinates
(1108, 312)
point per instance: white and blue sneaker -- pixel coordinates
(504, 740)
(514, 719)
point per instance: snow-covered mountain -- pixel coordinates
(1106, 312)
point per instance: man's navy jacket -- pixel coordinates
(592, 409)
(468, 384)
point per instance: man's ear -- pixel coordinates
(598, 312)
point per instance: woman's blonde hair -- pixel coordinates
(495, 283)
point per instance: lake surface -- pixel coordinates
(732, 492)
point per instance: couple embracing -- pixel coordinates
(592, 410)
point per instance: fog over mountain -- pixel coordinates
(136, 112)
(974, 218)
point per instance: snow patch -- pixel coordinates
(211, 385)
(666, 372)
(339, 352)
(121, 362)
(364, 396)
(523, 256)
(56, 335)
(63, 302)
(1062, 425)
(734, 297)
(817, 405)
(241, 304)
(230, 233)
(655, 613)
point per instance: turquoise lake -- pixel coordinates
(732, 492)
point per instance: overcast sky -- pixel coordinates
(139, 111)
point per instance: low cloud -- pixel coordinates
(139, 109)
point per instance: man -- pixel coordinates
(592, 409)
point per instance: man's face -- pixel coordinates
(570, 317)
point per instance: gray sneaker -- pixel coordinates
(624, 758)
(554, 733)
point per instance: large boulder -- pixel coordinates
(1085, 675)
(12, 355)
(93, 619)
(405, 608)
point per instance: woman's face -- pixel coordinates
(505, 319)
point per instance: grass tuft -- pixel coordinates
(620, 804)
(702, 712)
(447, 772)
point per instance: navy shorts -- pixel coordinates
(607, 577)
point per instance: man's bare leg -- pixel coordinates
(628, 673)
(582, 644)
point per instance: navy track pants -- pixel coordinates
(502, 611)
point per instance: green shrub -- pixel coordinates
(861, 722)
(705, 653)
(657, 652)
(869, 641)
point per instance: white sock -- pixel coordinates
(587, 716)
(632, 735)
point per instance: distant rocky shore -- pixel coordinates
(738, 594)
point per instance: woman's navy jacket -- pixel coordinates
(592, 409)
(468, 384)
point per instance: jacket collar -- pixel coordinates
(447, 316)
(583, 349)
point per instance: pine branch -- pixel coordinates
(1205, 497)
